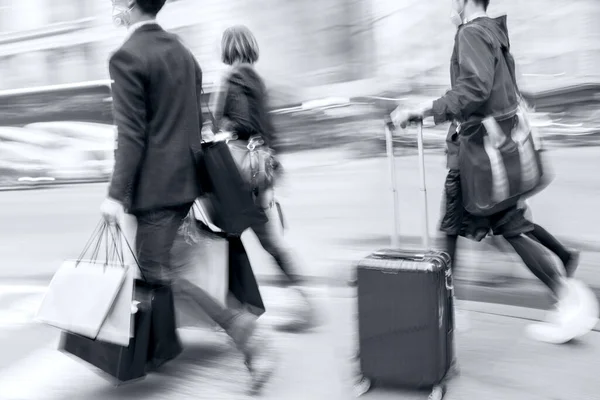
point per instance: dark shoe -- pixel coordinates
(572, 263)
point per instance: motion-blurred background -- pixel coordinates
(321, 59)
(333, 69)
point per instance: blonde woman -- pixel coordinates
(241, 109)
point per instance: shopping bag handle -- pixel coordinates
(103, 229)
(95, 240)
(137, 263)
(113, 248)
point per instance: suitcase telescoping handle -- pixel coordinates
(389, 140)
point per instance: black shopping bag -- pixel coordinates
(164, 344)
(242, 281)
(233, 204)
(121, 363)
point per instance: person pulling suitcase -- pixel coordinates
(490, 127)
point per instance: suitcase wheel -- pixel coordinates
(437, 393)
(361, 387)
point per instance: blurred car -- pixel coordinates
(20, 162)
(64, 159)
(95, 141)
(89, 131)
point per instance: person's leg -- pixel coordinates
(450, 247)
(538, 261)
(569, 258)
(255, 344)
(270, 236)
(156, 232)
(451, 224)
(155, 235)
(576, 310)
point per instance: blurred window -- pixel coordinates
(69, 64)
(5, 15)
(68, 10)
(88, 102)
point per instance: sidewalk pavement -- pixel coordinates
(497, 362)
(337, 209)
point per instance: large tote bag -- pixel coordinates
(120, 363)
(92, 297)
(232, 202)
(499, 169)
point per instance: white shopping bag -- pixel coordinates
(81, 295)
(128, 225)
(203, 212)
(200, 258)
(119, 325)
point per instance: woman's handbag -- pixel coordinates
(232, 203)
(255, 162)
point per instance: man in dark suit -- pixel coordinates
(156, 92)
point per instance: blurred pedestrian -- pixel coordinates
(482, 78)
(241, 107)
(156, 91)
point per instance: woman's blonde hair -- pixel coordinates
(238, 45)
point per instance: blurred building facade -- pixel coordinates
(304, 44)
(555, 42)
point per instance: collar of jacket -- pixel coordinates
(134, 27)
(475, 16)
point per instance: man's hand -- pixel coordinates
(207, 132)
(402, 118)
(112, 210)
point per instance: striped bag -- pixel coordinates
(500, 163)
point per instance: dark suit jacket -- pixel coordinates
(156, 98)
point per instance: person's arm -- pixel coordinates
(129, 102)
(199, 91)
(474, 84)
(237, 117)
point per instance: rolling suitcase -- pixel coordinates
(405, 305)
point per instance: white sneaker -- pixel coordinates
(576, 314)
(589, 308)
